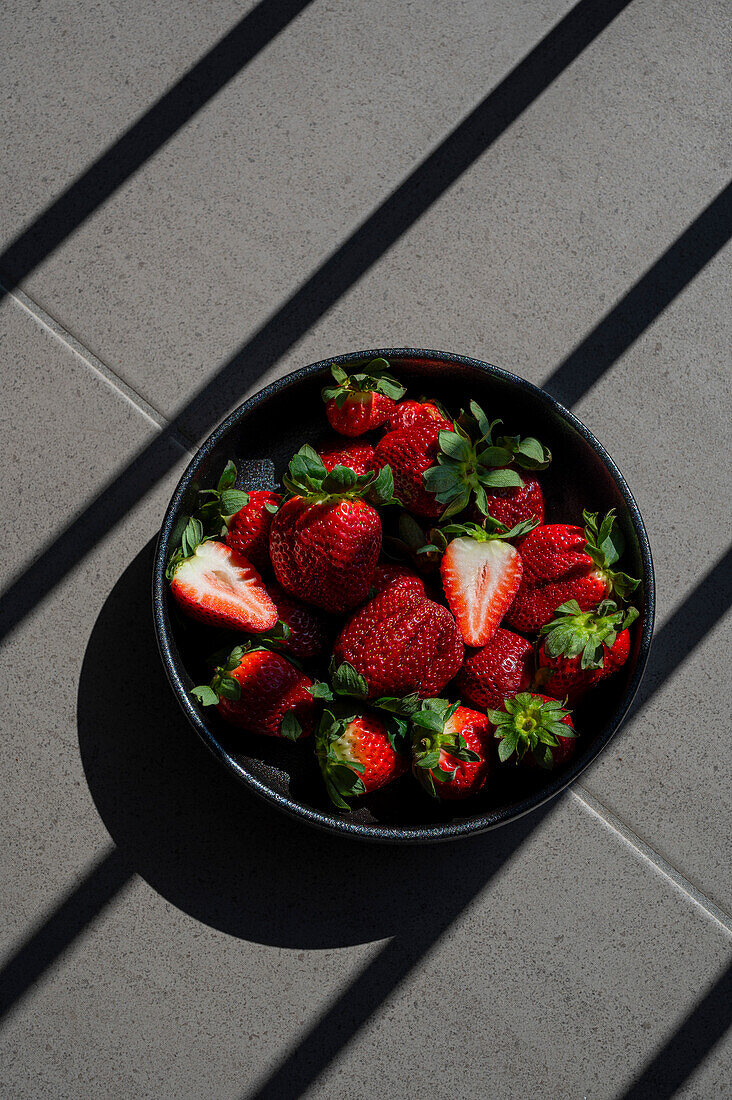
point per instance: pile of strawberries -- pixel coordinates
(402, 598)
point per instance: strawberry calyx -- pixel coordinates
(348, 684)
(211, 519)
(528, 723)
(605, 545)
(487, 531)
(340, 766)
(573, 632)
(191, 535)
(430, 739)
(224, 501)
(224, 686)
(341, 769)
(374, 377)
(307, 477)
(469, 462)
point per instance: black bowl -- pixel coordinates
(261, 436)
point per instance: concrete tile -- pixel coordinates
(515, 263)
(230, 933)
(667, 775)
(66, 432)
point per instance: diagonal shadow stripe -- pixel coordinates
(146, 136)
(67, 922)
(688, 1046)
(686, 629)
(644, 302)
(689, 625)
(391, 966)
(557, 50)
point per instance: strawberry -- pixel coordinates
(562, 563)
(364, 400)
(451, 746)
(498, 671)
(401, 643)
(243, 517)
(308, 633)
(216, 584)
(325, 540)
(534, 728)
(465, 464)
(408, 413)
(580, 648)
(410, 452)
(512, 506)
(249, 527)
(262, 692)
(481, 573)
(357, 754)
(391, 575)
(358, 456)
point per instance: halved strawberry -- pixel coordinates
(363, 400)
(450, 749)
(536, 729)
(261, 692)
(215, 584)
(357, 753)
(481, 574)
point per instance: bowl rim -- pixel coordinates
(414, 834)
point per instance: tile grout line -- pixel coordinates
(650, 856)
(630, 839)
(97, 366)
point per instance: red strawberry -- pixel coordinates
(359, 402)
(401, 643)
(481, 574)
(408, 413)
(358, 456)
(357, 755)
(410, 452)
(563, 563)
(325, 541)
(500, 670)
(308, 632)
(512, 506)
(451, 749)
(391, 575)
(579, 648)
(215, 584)
(249, 527)
(262, 692)
(442, 471)
(534, 728)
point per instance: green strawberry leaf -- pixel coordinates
(290, 727)
(232, 501)
(347, 681)
(228, 477)
(205, 695)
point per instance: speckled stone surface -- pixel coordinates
(164, 935)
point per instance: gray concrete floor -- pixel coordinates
(534, 184)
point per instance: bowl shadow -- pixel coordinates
(210, 847)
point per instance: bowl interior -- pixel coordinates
(261, 437)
